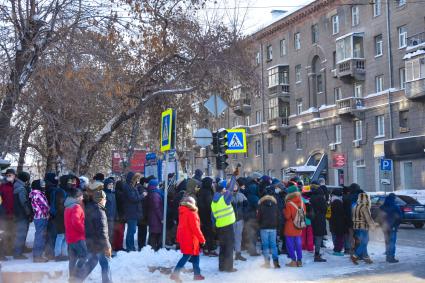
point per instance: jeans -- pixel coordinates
(238, 229)
(51, 239)
(129, 238)
(21, 231)
(105, 265)
(390, 241)
(195, 262)
(226, 240)
(317, 244)
(293, 246)
(40, 236)
(362, 239)
(61, 247)
(268, 243)
(77, 259)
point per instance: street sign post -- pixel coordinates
(236, 139)
(167, 143)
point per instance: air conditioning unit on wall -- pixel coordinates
(356, 143)
(332, 147)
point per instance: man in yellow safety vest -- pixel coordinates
(223, 217)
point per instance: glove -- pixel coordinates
(202, 245)
(108, 252)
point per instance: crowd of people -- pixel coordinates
(83, 221)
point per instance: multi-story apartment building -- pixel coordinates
(343, 86)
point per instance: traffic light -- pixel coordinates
(215, 142)
(220, 149)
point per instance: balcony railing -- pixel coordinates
(416, 39)
(351, 68)
(278, 125)
(415, 90)
(242, 107)
(349, 105)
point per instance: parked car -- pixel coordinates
(413, 211)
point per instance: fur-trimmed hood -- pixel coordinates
(266, 198)
(189, 205)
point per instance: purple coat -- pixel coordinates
(155, 210)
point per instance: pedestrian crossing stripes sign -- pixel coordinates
(236, 141)
(167, 122)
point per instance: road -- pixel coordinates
(403, 272)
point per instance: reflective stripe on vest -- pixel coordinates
(223, 213)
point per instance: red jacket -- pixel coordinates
(189, 234)
(74, 221)
(6, 192)
(290, 212)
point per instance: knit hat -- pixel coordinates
(241, 181)
(266, 179)
(153, 183)
(96, 186)
(99, 177)
(255, 175)
(220, 186)
(275, 181)
(24, 176)
(270, 191)
(51, 178)
(38, 185)
(10, 171)
(337, 192)
(107, 182)
(198, 174)
(98, 196)
(292, 189)
(84, 181)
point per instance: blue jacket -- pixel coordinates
(111, 204)
(252, 194)
(392, 214)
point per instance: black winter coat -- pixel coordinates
(96, 225)
(319, 207)
(58, 219)
(205, 197)
(120, 201)
(337, 223)
(268, 213)
(347, 204)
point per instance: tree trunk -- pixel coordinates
(24, 146)
(133, 138)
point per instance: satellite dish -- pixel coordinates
(203, 137)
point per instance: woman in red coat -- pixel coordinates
(190, 237)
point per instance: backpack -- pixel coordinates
(299, 220)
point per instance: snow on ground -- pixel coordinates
(134, 267)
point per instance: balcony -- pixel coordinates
(352, 106)
(242, 107)
(278, 126)
(280, 91)
(416, 40)
(415, 90)
(351, 68)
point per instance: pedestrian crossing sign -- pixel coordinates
(167, 125)
(236, 141)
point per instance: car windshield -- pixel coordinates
(408, 200)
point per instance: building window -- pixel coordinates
(379, 83)
(349, 47)
(283, 143)
(402, 36)
(278, 76)
(380, 126)
(269, 53)
(407, 174)
(319, 83)
(270, 145)
(378, 45)
(257, 58)
(273, 108)
(257, 148)
(355, 16)
(358, 135)
(377, 8)
(403, 119)
(298, 73)
(334, 60)
(297, 41)
(358, 90)
(298, 140)
(402, 77)
(258, 117)
(338, 134)
(359, 173)
(401, 3)
(299, 107)
(415, 69)
(314, 33)
(247, 121)
(282, 47)
(335, 24)
(337, 93)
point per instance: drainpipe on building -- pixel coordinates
(390, 73)
(263, 161)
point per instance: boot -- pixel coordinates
(368, 260)
(299, 263)
(61, 258)
(318, 258)
(292, 264)
(198, 277)
(354, 259)
(254, 254)
(175, 277)
(276, 263)
(239, 257)
(338, 253)
(40, 259)
(266, 264)
(19, 257)
(392, 260)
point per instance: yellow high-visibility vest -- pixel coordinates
(223, 213)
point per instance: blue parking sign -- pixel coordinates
(386, 165)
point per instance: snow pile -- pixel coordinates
(414, 54)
